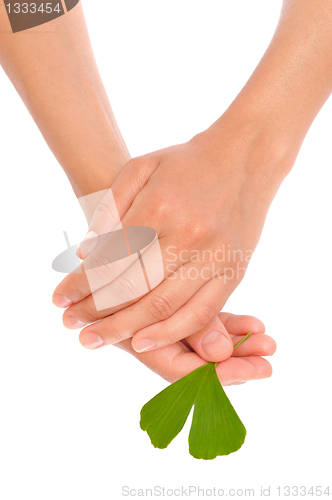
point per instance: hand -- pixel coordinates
(244, 364)
(207, 203)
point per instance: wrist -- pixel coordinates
(84, 137)
(263, 134)
(249, 152)
(95, 172)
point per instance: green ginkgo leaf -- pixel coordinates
(164, 416)
(216, 428)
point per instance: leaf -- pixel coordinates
(164, 416)
(216, 428)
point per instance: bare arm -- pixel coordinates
(289, 86)
(214, 191)
(54, 71)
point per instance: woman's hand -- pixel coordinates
(245, 362)
(207, 201)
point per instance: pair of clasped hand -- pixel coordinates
(162, 303)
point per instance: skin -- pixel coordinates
(245, 363)
(55, 73)
(210, 192)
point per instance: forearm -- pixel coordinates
(54, 71)
(293, 80)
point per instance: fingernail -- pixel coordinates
(87, 245)
(215, 344)
(90, 340)
(143, 345)
(60, 300)
(72, 322)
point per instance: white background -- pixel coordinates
(70, 417)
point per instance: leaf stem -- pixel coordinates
(244, 338)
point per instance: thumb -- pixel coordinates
(115, 204)
(105, 219)
(212, 343)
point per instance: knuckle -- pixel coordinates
(130, 284)
(157, 210)
(160, 307)
(199, 230)
(74, 292)
(102, 270)
(162, 207)
(116, 336)
(90, 315)
(205, 313)
(128, 287)
(170, 337)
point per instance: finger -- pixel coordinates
(212, 343)
(162, 361)
(208, 345)
(114, 329)
(241, 324)
(110, 246)
(243, 369)
(196, 314)
(115, 204)
(158, 305)
(174, 362)
(259, 344)
(105, 219)
(134, 255)
(111, 259)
